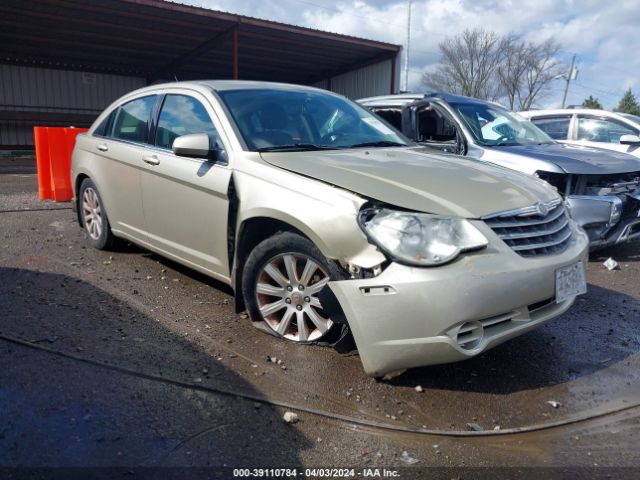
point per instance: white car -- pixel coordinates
(593, 128)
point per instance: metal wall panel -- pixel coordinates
(14, 134)
(64, 91)
(10, 134)
(364, 82)
(60, 91)
(324, 84)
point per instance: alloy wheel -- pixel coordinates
(287, 294)
(92, 213)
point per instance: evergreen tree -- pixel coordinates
(592, 103)
(628, 104)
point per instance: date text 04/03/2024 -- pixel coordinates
(315, 473)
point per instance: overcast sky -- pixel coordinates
(604, 34)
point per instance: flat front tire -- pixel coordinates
(280, 284)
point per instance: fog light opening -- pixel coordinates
(470, 335)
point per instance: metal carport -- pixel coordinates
(116, 41)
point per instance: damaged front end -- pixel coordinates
(606, 206)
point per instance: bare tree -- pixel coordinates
(513, 69)
(543, 67)
(469, 62)
(484, 65)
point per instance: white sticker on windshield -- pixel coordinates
(378, 125)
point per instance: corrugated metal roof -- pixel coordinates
(284, 24)
(159, 39)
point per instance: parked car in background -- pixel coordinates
(594, 128)
(600, 187)
(323, 220)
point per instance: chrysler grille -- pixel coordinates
(542, 229)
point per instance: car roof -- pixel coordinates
(391, 100)
(404, 98)
(450, 98)
(227, 85)
(224, 85)
(555, 111)
(633, 118)
(571, 111)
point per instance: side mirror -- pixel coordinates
(195, 145)
(630, 140)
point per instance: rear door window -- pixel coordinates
(556, 127)
(104, 129)
(393, 116)
(132, 120)
(183, 115)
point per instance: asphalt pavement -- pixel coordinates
(124, 363)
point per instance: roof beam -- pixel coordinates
(48, 117)
(117, 25)
(200, 50)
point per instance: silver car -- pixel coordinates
(330, 226)
(601, 187)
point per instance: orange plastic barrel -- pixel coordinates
(43, 164)
(54, 146)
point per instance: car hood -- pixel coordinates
(413, 179)
(576, 159)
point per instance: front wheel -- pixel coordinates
(280, 284)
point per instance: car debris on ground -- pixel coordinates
(408, 459)
(475, 427)
(290, 417)
(611, 264)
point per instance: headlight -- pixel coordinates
(418, 238)
(616, 211)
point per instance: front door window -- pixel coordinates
(594, 129)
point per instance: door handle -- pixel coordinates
(103, 147)
(151, 160)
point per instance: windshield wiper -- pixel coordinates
(380, 143)
(295, 147)
(504, 143)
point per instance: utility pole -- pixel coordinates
(406, 53)
(568, 77)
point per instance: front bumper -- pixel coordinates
(408, 317)
(607, 219)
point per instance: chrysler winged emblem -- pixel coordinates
(542, 209)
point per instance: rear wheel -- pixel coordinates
(281, 282)
(94, 217)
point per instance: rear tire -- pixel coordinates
(94, 217)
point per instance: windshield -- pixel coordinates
(284, 120)
(495, 126)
